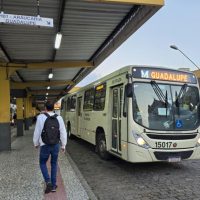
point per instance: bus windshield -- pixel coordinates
(166, 107)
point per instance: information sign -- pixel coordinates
(25, 20)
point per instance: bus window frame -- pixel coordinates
(95, 91)
(73, 98)
(171, 84)
(84, 101)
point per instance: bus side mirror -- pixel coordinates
(128, 90)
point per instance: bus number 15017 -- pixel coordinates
(164, 145)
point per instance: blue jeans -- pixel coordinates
(45, 152)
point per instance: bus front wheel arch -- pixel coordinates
(101, 145)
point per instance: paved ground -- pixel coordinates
(120, 180)
(21, 179)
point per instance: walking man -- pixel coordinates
(49, 133)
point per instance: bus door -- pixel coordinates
(79, 117)
(116, 118)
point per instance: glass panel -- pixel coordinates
(68, 103)
(79, 106)
(120, 114)
(186, 107)
(73, 103)
(62, 104)
(115, 118)
(155, 107)
(88, 99)
(115, 103)
(100, 95)
(114, 133)
(120, 106)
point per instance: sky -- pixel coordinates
(176, 23)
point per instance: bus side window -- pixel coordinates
(73, 103)
(99, 97)
(88, 99)
(62, 104)
(68, 103)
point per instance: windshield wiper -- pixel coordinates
(178, 97)
(181, 93)
(166, 101)
(163, 98)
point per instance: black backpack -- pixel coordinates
(51, 133)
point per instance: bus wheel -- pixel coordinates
(101, 147)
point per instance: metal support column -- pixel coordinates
(20, 117)
(26, 113)
(5, 132)
(30, 112)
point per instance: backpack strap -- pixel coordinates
(47, 115)
(55, 115)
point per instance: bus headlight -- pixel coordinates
(198, 142)
(140, 141)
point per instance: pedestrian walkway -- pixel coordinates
(21, 179)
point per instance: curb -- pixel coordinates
(84, 183)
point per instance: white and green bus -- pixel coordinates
(138, 113)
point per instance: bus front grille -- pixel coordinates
(167, 155)
(172, 137)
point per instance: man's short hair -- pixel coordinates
(49, 106)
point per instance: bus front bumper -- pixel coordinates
(140, 154)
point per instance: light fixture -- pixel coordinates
(176, 48)
(48, 87)
(47, 93)
(50, 75)
(58, 40)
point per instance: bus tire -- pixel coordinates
(101, 147)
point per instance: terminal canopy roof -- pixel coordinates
(91, 31)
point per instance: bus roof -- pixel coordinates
(127, 69)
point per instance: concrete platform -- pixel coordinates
(21, 179)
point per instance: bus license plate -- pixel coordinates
(174, 159)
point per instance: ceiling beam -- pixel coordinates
(20, 76)
(139, 2)
(8, 59)
(44, 96)
(48, 65)
(43, 92)
(16, 85)
(6, 55)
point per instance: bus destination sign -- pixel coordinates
(163, 75)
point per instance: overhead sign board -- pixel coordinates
(25, 20)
